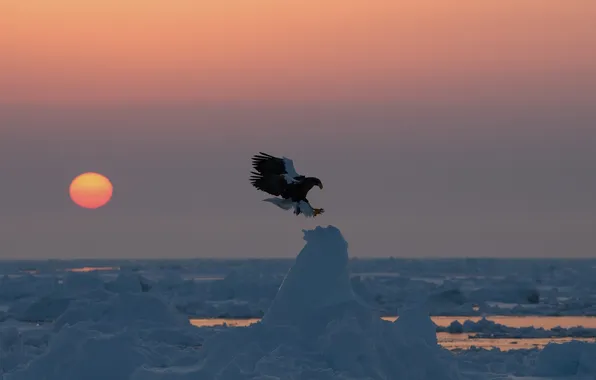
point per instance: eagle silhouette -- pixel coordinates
(277, 176)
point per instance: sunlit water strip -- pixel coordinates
(463, 341)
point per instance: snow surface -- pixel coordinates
(452, 287)
(321, 318)
(317, 329)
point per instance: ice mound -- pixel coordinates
(10, 348)
(318, 280)
(18, 347)
(23, 287)
(139, 310)
(569, 359)
(75, 282)
(44, 309)
(128, 283)
(317, 329)
(415, 323)
(77, 353)
(247, 291)
(101, 339)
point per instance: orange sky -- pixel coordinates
(69, 52)
(439, 127)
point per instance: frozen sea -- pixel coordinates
(321, 315)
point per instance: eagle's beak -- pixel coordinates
(321, 186)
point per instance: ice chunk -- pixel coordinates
(128, 283)
(124, 310)
(455, 327)
(44, 309)
(84, 354)
(318, 279)
(415, 323)
(568, 359)
(76, 282)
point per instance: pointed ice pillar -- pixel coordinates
(318, 280)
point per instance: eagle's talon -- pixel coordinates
(318, 211)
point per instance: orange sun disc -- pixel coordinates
(91, 190)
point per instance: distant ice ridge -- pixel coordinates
(317, 329)
(456, 287)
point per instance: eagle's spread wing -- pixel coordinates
(272, 184)
(270, 166)
(273, 174)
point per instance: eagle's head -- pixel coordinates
(317, 182)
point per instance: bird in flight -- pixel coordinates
(277, 176)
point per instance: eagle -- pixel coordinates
(277, 176)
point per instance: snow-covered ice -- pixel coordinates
(206, 288)
(318, 280)
(321, 317)
(316, 328)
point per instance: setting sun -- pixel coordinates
(91, 190)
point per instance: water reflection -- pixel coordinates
(91, 269)
(466, 340)
(463, 342)
(85, 269)
(517, 321)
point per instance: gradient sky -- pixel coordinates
(439, 128)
